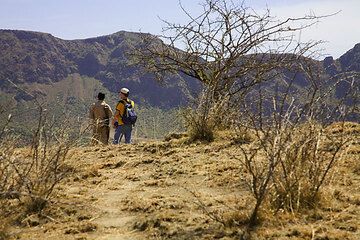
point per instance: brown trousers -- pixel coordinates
(100, 134)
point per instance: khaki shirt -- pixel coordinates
(100, 112)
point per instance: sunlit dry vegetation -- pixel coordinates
(185, 188)
(256, 155)
(182, 189)
(29, 175)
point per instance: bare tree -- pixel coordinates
(229, 48)
(293, 151)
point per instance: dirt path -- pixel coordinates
(111, 188)
(148, 190)
(111, 220)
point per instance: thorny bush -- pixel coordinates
(293, 153)
(29, 175)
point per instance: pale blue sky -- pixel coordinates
(78, 19)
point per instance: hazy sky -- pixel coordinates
(77, 19)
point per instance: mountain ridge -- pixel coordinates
(36, 57)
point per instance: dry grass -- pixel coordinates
(177, 190)
(29, 177)
(4, 229)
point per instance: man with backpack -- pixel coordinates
(124, 118)
(100, 113)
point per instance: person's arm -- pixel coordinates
(115, 118)
(119, 110)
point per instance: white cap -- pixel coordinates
(124, 91)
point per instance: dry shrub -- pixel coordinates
(287, 169)
(31, 179)
(29, 176)
(199, 127)
(294, 151)
(303, 167)
(202, 121)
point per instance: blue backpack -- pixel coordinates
(129, 116)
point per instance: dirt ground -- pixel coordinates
(174, 190)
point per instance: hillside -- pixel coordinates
(175, 190)
(66, 75)
(39, 58)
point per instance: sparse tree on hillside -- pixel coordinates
(296, 144)
(229, 48)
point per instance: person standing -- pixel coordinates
(121, 128)
(100, 114)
